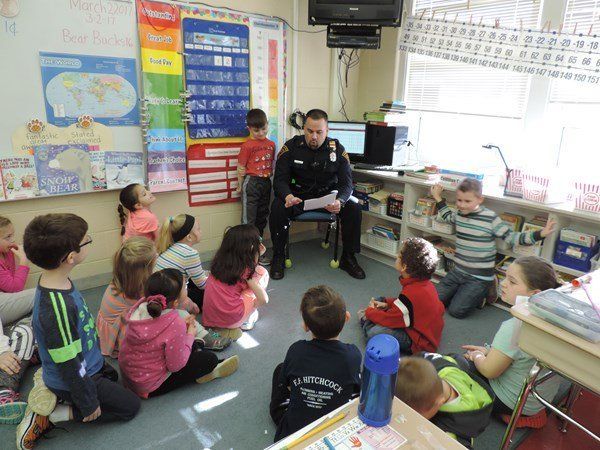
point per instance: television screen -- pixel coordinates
(378, 12)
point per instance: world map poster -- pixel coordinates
(101, 86)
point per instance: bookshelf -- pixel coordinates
(415, 188)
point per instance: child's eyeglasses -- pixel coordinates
(89, 241)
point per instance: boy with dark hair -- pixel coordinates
(254, 170)
(73, 367)
(466, 286)
(318, 375)
(444, 391)
(416, 317)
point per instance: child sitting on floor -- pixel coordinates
(416, 317)
(138, 220)
(160, 351)
(132, 266)
(438, 388)
(322, 364)
(73, 366)
(236, 286)
(16, 339)
(466, 286)
(504, 364)
(177, 236)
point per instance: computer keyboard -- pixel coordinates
(365, 166)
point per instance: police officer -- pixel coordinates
(311, 166)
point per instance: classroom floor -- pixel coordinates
(232, 413)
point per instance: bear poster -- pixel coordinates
(63, 169)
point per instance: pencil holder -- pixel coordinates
(380, 368)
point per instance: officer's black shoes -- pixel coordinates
(277, 267)
(350, 264)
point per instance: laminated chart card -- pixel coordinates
(217, 76)
(355, 434)
(212, 173)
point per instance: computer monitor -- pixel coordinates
(352, 136)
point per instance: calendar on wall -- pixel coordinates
(550, 54)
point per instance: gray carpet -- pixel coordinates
(232, 413)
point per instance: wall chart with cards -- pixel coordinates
(196, 69)
(550, 54)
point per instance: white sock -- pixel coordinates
(62, 413)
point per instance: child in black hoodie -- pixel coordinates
(452, 398)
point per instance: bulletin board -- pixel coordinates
(70, 110)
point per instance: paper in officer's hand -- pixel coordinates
(319, 203)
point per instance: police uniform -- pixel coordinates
(307, 173)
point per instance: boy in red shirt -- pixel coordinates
(416, 317)
(254, 170)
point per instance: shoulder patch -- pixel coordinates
(345, 155)
(283, 150)
(332, 145)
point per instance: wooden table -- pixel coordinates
(420, 433)
(558, 351)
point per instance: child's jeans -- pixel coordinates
(461, 292)
(21, 344)
(371, 329)
(116, 402)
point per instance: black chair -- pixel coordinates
(332, 220)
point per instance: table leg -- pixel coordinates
(525, 390)
(574, 393)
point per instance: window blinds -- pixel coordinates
(583, 14)
(444, 86)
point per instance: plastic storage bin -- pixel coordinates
(566, 312)
(424, 221)
(442, 227)
(381, 243)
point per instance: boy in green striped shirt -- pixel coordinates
(477, 227)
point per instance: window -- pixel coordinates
(463, 106)
(536, 121)
(443, 86)
(574, 107)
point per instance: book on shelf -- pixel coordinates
(514, 221)
(382, 116)
(535, 249)
(423, 175)
(386, 124)
(367, 187)
(386, 232)
(426, 206)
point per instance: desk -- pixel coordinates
(420, 433)
(560, 352)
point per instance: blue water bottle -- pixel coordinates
(380, 368)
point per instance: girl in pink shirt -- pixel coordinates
(138, 220)
(16, 335)
(236, 286)
(159, 352)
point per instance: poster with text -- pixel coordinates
(103, 87)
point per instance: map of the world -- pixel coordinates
(72, 94)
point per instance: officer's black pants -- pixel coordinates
(279, 221)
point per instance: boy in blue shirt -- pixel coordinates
(73, 367)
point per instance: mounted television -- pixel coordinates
(378, 12)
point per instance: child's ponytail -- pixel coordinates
(538, 273)
(128, 197)
(164, 285)
(156, 305)
(171, 230)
